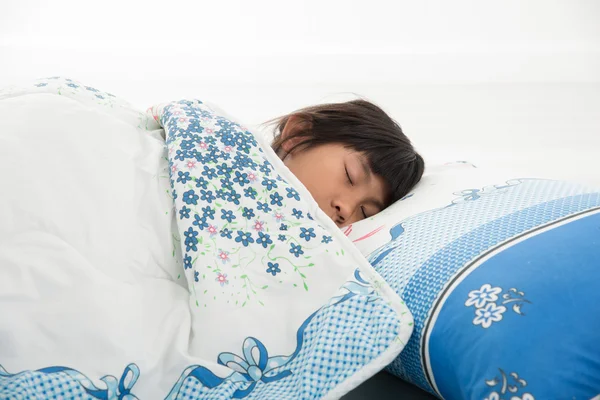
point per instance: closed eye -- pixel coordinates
(362, 209)
(348, 176)
(363, 212)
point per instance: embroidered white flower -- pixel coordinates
(488, 314)
(526, 396)
(486, 294)
(493, 396)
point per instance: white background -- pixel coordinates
(509, 83)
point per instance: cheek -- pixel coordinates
(316, 179)
(317, 182)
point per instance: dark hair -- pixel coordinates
(366, 128)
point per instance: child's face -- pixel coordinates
(340, 181)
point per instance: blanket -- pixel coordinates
(171, 254)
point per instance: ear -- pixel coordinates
(293, 126)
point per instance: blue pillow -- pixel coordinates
(503, 286)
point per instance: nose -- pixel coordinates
(343, 211)
(340, 216)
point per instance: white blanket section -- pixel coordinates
(85, 230)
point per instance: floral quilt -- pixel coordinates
(227, 281)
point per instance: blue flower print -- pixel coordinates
(243, 146)
(326, 239)
(196, 276)
(223, 155)
(250, 139)
(213, 157)
(210, 173)
(201, 183)
(226, 183)
(208, 212)
(238, 165)
(207, 195)
(263, 206)
(226, 233)
(244, 238)
(183, 134)
(297, 213)
(307, 234)
(243, 160)
(281, 238)
(283, 227)
(184, 212)
(264, 239)
(194, 126)
(276, 199)
(99, 96)
(224, 169)
(200, 222)
(241, 178)
(187, 262)
(196, 154)
(41, 84)
(248, 213)
(273, 268)
(183, 177)
(227, 138)
(296, 249)
(190, 197)
(265, 168)
(227, 215)
(91, 89)
(186, 145)
(72, 85)
(174, 194)
(309, 216)
(269, 183)
(250, 192)
(292, 194)
(211, 140)
(190, 239)
(225, 124)
(181, 155)
(233, 197)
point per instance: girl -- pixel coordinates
(352, 157)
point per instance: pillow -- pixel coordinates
(501, 276)
(280, 300)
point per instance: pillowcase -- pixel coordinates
(281, 302)
(501, 276)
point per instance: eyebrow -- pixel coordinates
(367, 170)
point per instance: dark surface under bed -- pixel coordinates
(384, 386)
